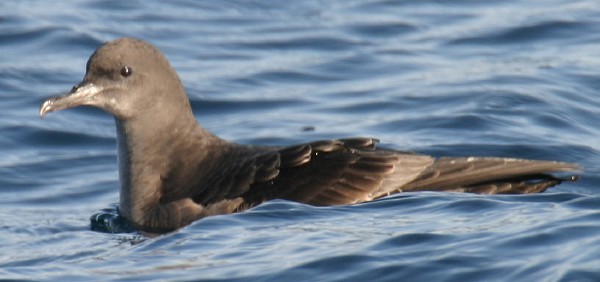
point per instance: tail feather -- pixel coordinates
(490, 176)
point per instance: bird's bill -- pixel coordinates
(81, 94)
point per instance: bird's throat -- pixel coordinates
(124, 160)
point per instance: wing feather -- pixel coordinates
(345, 171)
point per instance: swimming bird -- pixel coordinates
(172, 171)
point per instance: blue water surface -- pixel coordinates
(494, 78)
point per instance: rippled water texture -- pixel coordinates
(502, 78)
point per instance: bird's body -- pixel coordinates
(172, 171)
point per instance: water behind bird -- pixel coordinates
(502, 78)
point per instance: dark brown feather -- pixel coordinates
(352, 170)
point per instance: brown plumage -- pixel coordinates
(173, 172)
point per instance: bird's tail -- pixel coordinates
(492, 175)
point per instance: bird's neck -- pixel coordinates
(146, 153)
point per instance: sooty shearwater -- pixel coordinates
(173, 172)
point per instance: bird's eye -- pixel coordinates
(126, 71)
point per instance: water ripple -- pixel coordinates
(447, 78)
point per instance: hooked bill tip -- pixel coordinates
(46, 107)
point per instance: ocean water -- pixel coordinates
(494, 78)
